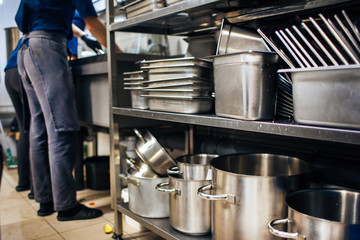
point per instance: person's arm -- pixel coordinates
(98, 30)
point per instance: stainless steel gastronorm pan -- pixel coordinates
(182, 73)
(176, 62)
(181, 105)
(327, 96)
(182, 92)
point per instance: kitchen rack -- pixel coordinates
(196, 17)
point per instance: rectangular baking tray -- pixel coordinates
(327, 96)
(189, 105)
(189, 73)
(179, 86)
(172, 82)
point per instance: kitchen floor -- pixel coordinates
(19, 220)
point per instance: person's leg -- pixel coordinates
(47, 67)
(14, 89)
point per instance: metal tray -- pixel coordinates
(133, 83)
(176, 62)
(189, 73)
(182, 92)
(172, 2)
(141, 4)
(146, 9)
(178, 82)
(191, 85)
(191, 105)
(327, 96)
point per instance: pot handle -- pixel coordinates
(173, 170)
(139, 135)
(220, 197)
(129, 180)
(283, 234)
(160, 188)
(131, 163)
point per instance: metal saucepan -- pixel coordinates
(321, 214)
(153, 154)
(188, 213)
(141, 169)
(248, 189)
(196, 166)
(144, 200)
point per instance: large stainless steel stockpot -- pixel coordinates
(195, 166)
(153, 154)
(248, 189)
(321, 214)
(144, 200)
(188, 213)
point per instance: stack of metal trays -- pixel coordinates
(284, 100)
(133, 81)
(182, 85)
(140, 7)
(172, 2)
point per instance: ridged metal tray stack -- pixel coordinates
(140, 7)
(134, 81)
(182, 85)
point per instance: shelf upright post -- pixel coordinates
(114, 129)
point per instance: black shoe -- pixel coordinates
(80, 212)
(46, 209)
(20, 188)
(31, 196)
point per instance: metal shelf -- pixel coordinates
(160, 226)
(280, 127)
(194, 16)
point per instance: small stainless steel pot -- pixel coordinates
(321, 214)
(248, 189)
(196, 166)
(153, 154)
(188, 213)
(144, 200)
(141, 169)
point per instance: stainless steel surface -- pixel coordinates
(347, 33)
(172, 2)
(189, 106)
(276, 49)
(248, 189)
(320, 214)
(352, 25)
(175, 62)
(288, 47)
(188, 213)
(236, 39)
(143, 10)
(245, 85)
(327, 96)
(340, 38)
(137, 101)
(169, 93)
(179, 86)
(177, 81)
(140, 169)
(327, 39)
(334, 62)
(192, 167)
(152, 153)
(144, 200)
(12, 35)
(189, 72)
(302, 49)
(277, 127)
(201, 46)
(308, 44)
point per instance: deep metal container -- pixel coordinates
(245, 85)
(248, 189)
(327, 96)
(188, 213)
(195, 166)
(144, 200)
(321, 214)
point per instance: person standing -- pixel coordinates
(48, 82)
(18, 98)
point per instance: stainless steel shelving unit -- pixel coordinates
(198, 17)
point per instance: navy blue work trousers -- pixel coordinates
(48, 82)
